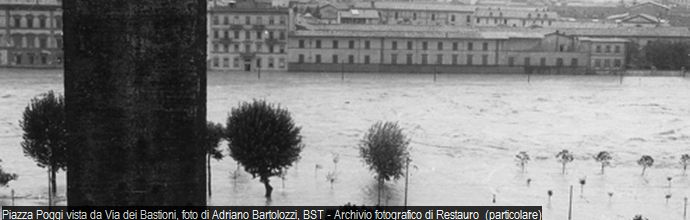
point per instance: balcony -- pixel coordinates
(259, 27)
(236, 27)
(273, 41)
(247, 55)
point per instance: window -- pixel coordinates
(598, 49)
(282, 35)
(485, 60)
(247, 20)
(559, 62)
(394, 58)
(282, 19)
(215, 34)
(318, 43)
(351, 44)
(42, 42)
(247, 35)
(608, 48)
(561, 47)
(617, 49)
(226, 62)
(607, 63)
(301, 43)
(18, 58)
(42, 21)
(301, 58)
(478, 20)
(452, 18)
(542, 62)
(573, 62)
(409, 58)
(470, 46)
(215, 19)
(270, 35)
(455, 45)
(282, 48)
(440, 46)
(617, 63)
(366, 44)
(396, 15)
(270, 48)
(414, 16)
(270, 62)
(237, 34)
(455, 59)
(259, 47)
(351, 59)
(409, 45)
(335, 58)
(44, 59)
(236, 62)
(485, 46)
(394, 45)
(215, 48)
(425, 45)
(597, 63)
(226, 48)
(237, 47)
(317, 58)
(271, 20)
(511, 61)
(335, 44)
(258, 62)
(469, 59)
(17, 21)
(433, 17)
(226, 34)
(439, 59)
(527, 61)
(281, 62)
(58, 21)
(226, 20)
(259, 34)
(469, 19)
(215, 62)
(425, 58)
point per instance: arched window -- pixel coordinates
(29, 21)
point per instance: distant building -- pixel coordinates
(421, 13)
(357, 16)
(514, 18)
(248, 38)
(652, 8)
(31, 33)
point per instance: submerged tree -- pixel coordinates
(264, 139)
(44, 137)
(385, 149)
(6, 177)
(645, 161)
(564, 157)
(522, 159)
(684, 161)
(214, 134)
(603, 157)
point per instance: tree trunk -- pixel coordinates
(53, 182)
(50, 190)
(602, 169)
(563, 171)
(643, 168)
(208, 167)
(267, 185)
(685, 167)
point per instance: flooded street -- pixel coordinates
(465, 131)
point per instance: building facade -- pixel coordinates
(31, 34)
(248, 39)
(451, 52)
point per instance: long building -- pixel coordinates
(467, 50)
(31, 34)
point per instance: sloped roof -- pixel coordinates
(417, 6)
(604, 40)
(657, 4)
(651, 19)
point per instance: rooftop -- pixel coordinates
(359, 13)
(510, 13)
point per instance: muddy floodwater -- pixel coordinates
(465, 131)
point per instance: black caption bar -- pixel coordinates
(274, 212)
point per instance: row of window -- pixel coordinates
(218, 34)
(248, 48)
(433, 17)
(270, 63)
(394, 45)
(32, 59)
(455, 60)
(248, 20)
(505, 21)
(32, 41)
(607, 49)
(31, 21)
(607, 63)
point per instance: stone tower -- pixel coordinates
(135, 94)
